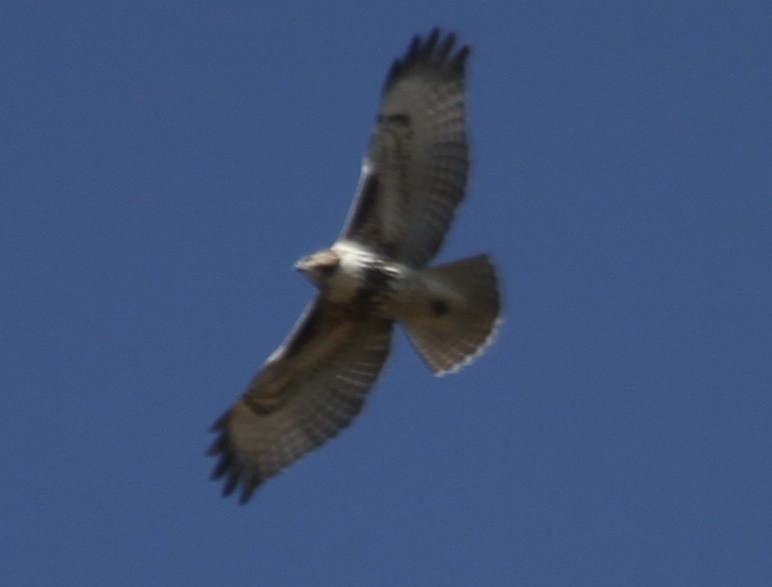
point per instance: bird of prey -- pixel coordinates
(373, 277)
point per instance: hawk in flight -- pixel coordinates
(373, 276)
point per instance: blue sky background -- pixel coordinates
(165, 163)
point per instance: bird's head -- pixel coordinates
(320, 266)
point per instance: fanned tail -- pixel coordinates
(456, 315)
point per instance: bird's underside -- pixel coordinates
(374, 276)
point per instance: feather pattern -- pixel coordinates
(415, 173)
(309, 390)
(373, 276)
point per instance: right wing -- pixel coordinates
(415, 172)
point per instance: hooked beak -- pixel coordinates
(301, 265)
(318, 267)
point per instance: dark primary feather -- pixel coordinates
(424, 53)
(415, 173)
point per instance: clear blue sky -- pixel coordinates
(163, 166)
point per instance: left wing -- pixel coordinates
(309, 389)
(415, 173)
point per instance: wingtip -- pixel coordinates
(247, 490)
(436, 50)
(227, 467)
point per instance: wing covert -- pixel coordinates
(307, 392)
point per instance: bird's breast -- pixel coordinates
(365, 281)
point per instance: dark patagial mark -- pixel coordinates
(397, 119)
(307, 331)
(366, 203)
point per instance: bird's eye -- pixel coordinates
(328, 270)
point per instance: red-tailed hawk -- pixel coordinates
(374, 276)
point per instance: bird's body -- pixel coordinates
(349, 273)
(373, 277)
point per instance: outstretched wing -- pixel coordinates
(309, 389)
(415, 173)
